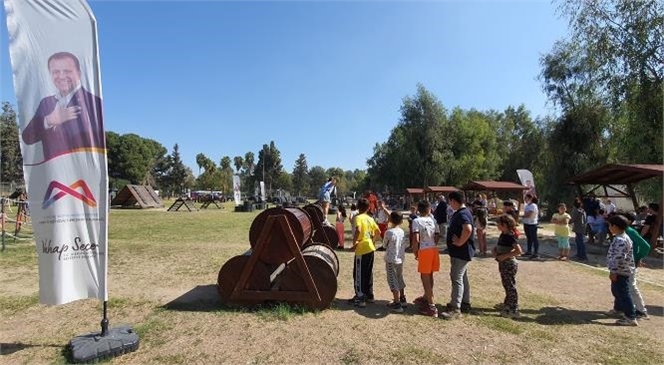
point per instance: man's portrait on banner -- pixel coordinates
(71, 120)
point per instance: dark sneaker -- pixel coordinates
(527, 254)
(353, 300)
(381, 248)
(465, 308)
(508, 313)
(395, 307)
(371, 300)
(453, 314)
(534, 256)
(627, 322)
(429, 311)
(403, 302)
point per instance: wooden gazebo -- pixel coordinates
(413, 195)
(608, 176)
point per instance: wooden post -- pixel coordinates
(632, 194)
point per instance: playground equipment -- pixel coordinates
(284, 264)
(22, 218)
(181, 202)
(322, 232)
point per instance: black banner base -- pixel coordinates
(94, 347)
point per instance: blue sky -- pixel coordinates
(321, 78)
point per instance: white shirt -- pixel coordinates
(395, 250)
(62, 103)
(534, 218)
(427, 228)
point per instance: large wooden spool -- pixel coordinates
(323, 264)
(300, 224)
(315, 211)
(229, 275)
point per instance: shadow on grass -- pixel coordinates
(202, 298)
(377, 309)
(562, 316)
(10, 348)
(655, 310)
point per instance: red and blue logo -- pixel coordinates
(57, 190)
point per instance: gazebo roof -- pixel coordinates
(493, 186)
(415, 191)
(618, 174)
(440, 189)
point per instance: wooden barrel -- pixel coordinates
(229, 275)
(277, 251)
(315, 211)
(323, 265)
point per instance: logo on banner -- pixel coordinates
(57, 190)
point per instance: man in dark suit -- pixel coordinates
(71, 120)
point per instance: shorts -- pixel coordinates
(563, 242)
(325, 197)
(394, 276)
(428, 260)
(481, 223)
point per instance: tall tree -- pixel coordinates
(11, 161)
(300, 176)
(417, 148)
(201, 159)
(238, 161)
(268, 166)
(249, 162)
(317, 178)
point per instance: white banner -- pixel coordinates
(237, 194)
(262, 185)
(55, 59)
(528, 180)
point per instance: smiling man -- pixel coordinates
(70, 120)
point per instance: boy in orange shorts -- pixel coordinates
(426, 232)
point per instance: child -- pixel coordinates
(341, 218)
(353, 214)
(366, 231)
(480, 216)
(426, 232)
(599, 227)
(561, 221)
(641, 250)
(620, 261)
(394, 258)
(411, 217)
(579, 221)
(505, 252)
(382, 217)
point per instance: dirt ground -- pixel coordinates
(169, 297)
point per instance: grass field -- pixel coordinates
(162, 274)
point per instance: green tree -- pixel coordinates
(11, 160)
(317, 178)
(238, 161)
(417, 148)
(268, 166)
(300, 176)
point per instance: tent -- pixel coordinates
(137, 196)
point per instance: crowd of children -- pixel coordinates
(626, 250)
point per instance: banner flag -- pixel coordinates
(237, 194)
(262, 185)
(527, 179)
(55, 61)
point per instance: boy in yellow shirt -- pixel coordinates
(561, 221)
(363, 242)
